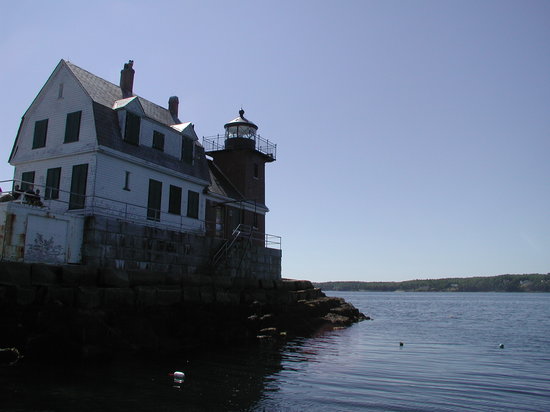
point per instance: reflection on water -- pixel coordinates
(216, 379)
(450, 360)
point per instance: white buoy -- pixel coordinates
(179, 377)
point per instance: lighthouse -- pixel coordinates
(240, 155)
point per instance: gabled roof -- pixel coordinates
(187, 128)
(119, 104)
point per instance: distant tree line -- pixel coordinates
(501, 283)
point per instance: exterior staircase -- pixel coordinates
(242, 231)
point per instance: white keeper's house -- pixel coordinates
(105, 177)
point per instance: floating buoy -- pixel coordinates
(401, 343)
(179, 377)
(9, 356)
(501, 346)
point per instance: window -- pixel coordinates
(256, 170)
(27, 181)
(40, 132)
(158, 141)
(154, 200)
(72, 127)
(187, 150)
(126, 181)
(77, 198)
(131, 131)
(174, 201)
(53, 177)
(192, 204)
(60, 91)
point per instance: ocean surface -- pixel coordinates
(450, 360)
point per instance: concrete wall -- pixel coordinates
(116, 244)
(32, 234)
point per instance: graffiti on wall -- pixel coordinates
(44, 250)
(46, 240)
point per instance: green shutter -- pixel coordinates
(192, 204)
(77, 198)
(187, 150)
(158, 141)
(174, 202)
(27, 181)
(72, 127)
(154, 200)
(131, 132)
(53, 177)
(40, 132)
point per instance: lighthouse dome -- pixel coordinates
(240, 127)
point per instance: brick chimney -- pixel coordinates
(127, 79)
(173, 104)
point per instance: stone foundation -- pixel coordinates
(83, 311)
(117, 244)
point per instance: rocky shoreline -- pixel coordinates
(73, 313)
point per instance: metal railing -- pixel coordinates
(98, 205)
(217, 142)
(272, 241)
(101, 206)
(238, 232)
(247, 232)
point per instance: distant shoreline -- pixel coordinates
(500, 283)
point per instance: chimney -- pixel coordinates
(173, 103)
(127, 79)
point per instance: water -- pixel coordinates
(450, 361)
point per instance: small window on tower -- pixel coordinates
(256, 170)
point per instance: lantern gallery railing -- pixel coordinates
(217, 142)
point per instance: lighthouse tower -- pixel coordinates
(241, 154)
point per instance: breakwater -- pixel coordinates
(72, 311)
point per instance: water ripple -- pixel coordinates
(450, 361)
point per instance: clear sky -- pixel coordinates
(413, 136)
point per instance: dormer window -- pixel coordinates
(131, 131)
(158, 141)
(187, 146)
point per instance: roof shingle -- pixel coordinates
(106, 93)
